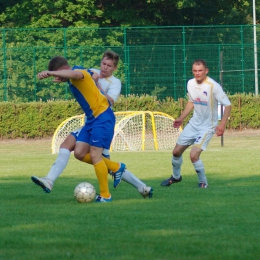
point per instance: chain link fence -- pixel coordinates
(153, 60)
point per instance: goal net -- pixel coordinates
(134, 131)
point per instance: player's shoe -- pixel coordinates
(170, 181)
(101, 199)
(203, 185)
(147, 192)
(44, 183)
(118, 175)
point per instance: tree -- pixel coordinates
(103, 13)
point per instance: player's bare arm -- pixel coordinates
(178, 122)
(62, 74)
(222, 125)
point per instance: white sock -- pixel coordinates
(133, 180)
(199, 168)
(59, 165)
(176, 166)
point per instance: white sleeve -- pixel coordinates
(221, 96)
(95, 70)
(114, 89)
(189, 90)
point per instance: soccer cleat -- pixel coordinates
(203, 185)
(44, 183)
(147, 192)
(170, 181)
(101, 199)
(118, 175)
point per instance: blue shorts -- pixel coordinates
(99, 132)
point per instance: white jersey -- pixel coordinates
(111, 85)
(205, 98)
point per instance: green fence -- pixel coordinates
(154, 60)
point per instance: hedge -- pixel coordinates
(40, 119)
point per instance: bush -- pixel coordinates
(40, 119)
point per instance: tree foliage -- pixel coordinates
(103, 13)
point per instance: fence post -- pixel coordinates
(35, 73)
(239, 109)
(65, 55)
(221, 83)
(5, 73)
(184, 59)
(242, 58)
(174, 73)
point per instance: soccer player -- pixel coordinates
(111, 87)
(204, 95)
(98, 131)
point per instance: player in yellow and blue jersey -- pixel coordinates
(98, 131)
(111, 88)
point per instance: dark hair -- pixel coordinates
(200, 61)
(111, 56)
(57, 62)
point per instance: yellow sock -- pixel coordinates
(101, 172)
(112, 166)
(87, 159)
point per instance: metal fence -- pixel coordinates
(154, 60)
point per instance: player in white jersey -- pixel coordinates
(204, 94)
(111, 88)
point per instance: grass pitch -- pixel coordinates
(179, 222)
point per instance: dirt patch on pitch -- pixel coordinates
(244, 132)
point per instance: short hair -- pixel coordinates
(111, 55)
(57, 62)
(199, 62)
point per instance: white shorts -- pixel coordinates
(197, 137)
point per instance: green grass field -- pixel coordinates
(179, 222)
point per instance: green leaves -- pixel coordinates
(103, 13)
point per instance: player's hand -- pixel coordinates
(95, 76)
(177, 123)
(43, 74)
(220, 130)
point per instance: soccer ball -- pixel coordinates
(84, 192)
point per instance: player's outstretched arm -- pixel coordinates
(61, 74)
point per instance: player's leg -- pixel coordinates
(116, 168)
(89, 148)
(145, 191)
(184, 141)
(200, 145)
(96, 159)
(198, 166)
(101, 172)
(46, 183)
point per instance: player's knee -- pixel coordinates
(194, 157)
(69, 143)
(67, 146)
(78, 155)
(176, 153)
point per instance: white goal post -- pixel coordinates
(134, 131)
